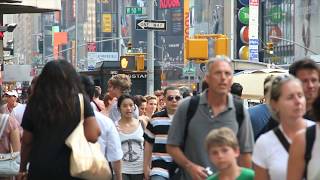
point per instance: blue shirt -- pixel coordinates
(259, 116)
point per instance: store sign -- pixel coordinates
(106, 23)
(166, 4)
(254, 31)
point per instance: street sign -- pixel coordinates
(135, 10)
(144, 24)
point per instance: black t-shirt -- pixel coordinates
(49, 157)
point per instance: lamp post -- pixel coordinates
(162, 62)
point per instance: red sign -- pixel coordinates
(92, 47)
(166, 4)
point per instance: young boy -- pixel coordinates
(223, 151)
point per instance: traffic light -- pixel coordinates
(197, 49)
(270, 47)
(127, 62)
(40, 46)
(129, 46)
(221, 46)
(140, 62)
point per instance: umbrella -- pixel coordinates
(252, 81)
(29, 6)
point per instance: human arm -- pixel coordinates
(296, 163)
(246, 141)
(245, 160)
(147, 159)
(27, 139)
(117, 169)
(195, 171)
(260, 173)
(14, 135)
(91, 129)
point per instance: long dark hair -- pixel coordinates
(54, 95)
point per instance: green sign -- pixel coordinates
(135, 10)
(243, 15)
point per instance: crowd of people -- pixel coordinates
(171, 134)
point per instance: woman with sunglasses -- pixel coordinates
(288, 104)
(131, 136)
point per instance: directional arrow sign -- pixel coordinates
(157, 25)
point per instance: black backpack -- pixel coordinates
(175, 173)
(310, 138)
(193, 106)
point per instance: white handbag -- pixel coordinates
(9, 162)
(87, 160)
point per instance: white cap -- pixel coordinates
(12, 93)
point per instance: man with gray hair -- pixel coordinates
(215, 108)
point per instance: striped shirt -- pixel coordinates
(156, 134)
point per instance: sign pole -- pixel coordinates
(150, 55)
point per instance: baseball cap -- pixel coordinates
(12, 93)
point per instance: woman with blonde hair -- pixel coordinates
(288, 103)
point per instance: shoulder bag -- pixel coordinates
(86, 160)
(9, 162)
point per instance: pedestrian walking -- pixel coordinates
(158, 164)
(223, 150)
(304, 154)
(51, 115)
(118, 85)
(271, 151)
(214, 108)
(109, 139)
(131, 136)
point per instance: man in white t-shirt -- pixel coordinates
(109, 139)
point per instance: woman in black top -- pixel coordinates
(52, 113)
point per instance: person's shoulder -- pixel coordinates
(162, 113)
(309, 122)
(247, 173)
(102, 119)
(266, 138)
(213, 177)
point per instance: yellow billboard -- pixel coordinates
(106, 23)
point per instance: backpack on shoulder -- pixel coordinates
(175, 173)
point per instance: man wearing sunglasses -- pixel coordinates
(156, 137)
(216, 108)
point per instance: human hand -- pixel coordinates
(22, 176)
(146, 173)
(197, 172)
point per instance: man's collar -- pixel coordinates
(204, 99)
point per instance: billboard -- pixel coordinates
(95, 57)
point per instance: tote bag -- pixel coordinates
(86, 160)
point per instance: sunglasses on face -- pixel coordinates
(170, 98)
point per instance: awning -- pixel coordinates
(10, 1)
(252, 81)
(30, 6)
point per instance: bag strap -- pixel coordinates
(81, 107)
(192, 109)
(3, 123)
(310, 138)
(238, 103)
(281, 138)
